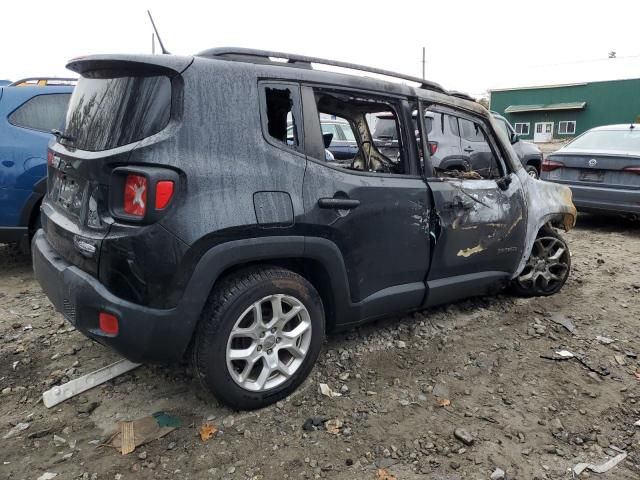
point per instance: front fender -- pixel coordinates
(546, 202)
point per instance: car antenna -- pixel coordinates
(153, 24)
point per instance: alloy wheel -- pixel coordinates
(268, 342)
(547, 267)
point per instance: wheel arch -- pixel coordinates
(31, 208)
(318, 260)
(534, 161)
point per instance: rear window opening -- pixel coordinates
(106, 113)
(280, 122)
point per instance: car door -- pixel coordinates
(474, 146)
(377, 221)
(479, 224)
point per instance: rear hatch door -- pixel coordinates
(119, 103)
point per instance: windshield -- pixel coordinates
(618, 140)
(106, 113)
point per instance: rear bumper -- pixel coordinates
(145, 334)
(606, 199)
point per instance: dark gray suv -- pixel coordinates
(182, 219)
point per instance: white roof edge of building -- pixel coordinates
(560, 85)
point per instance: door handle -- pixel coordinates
(458, 204)
(338, 203)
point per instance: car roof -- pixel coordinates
(286, 67)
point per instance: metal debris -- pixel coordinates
(564, 321)
(20, 427)
(60, 393)
(602, 468)
(562, 355)
(605, 340)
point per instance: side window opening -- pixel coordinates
(280, 118)
(464, 149)
(372, 124)
(477, 151)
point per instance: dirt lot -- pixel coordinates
(529, 416)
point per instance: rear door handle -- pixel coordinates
(338, 203)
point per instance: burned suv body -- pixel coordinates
(181, 218)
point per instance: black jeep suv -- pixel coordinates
(180, 219)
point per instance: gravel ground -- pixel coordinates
(447, 393)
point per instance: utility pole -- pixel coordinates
(424, 62)
(153, 43)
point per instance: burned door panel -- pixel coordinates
(480, 227)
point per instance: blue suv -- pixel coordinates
(29, 110)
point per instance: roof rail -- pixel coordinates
(265, 56)
(463, 95)
(43, 82)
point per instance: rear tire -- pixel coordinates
(259, 336)
(547, 267)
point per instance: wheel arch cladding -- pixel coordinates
(319, 263)
(546, 202)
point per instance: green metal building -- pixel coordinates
(543, 114)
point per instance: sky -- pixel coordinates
(471, 46)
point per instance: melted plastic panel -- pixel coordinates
(547, 202)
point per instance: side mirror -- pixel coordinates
(513, 137)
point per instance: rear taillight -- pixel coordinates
(50, 158)
(549, 165)
(108, 323)
(164, 192)
(433, 147)
(635, 170)
(142, 194)
(135, 195)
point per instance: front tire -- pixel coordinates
(259, 337)
(547, 267)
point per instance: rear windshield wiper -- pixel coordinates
(59, 135)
